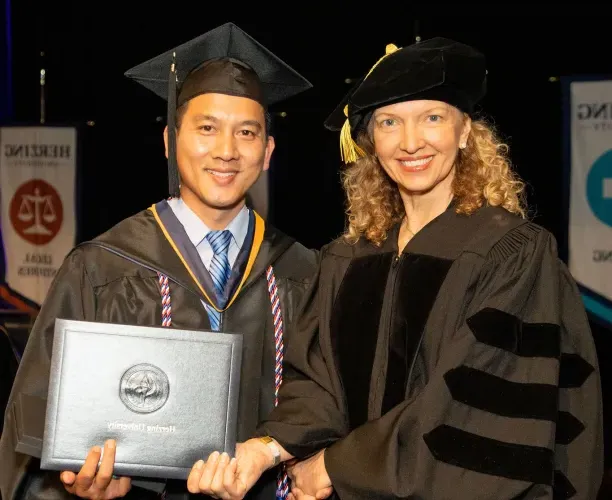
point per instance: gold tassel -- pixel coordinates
(349, 149)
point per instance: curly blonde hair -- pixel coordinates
(483, 176)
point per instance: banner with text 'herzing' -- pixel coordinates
(37, 185)
(590, 219)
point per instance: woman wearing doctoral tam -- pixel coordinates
(444, 351)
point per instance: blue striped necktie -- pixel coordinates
(219, 270)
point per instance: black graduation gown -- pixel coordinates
(462, 369)
(114, 279)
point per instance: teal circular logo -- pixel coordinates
(599, 188)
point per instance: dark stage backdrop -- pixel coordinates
(6, 81)
(88, 46)
(6, 76)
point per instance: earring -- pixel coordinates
(463, 145)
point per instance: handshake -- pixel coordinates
(218, 476)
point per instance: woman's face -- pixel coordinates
(416, 143)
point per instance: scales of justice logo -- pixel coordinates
(36, 212)
(144, 388)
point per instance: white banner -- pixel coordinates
(37, 185)
(590, 221)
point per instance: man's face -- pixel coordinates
(221, 149)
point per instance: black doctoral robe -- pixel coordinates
(114, 278)
(462, 369)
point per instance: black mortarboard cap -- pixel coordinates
(225, 60)
(437, 69)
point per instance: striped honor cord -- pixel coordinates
(282, 485)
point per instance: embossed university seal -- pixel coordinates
(144, 388)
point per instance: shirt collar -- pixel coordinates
(196, 229)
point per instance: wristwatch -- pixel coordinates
(269, 442)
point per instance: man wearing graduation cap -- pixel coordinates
(201, 260)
